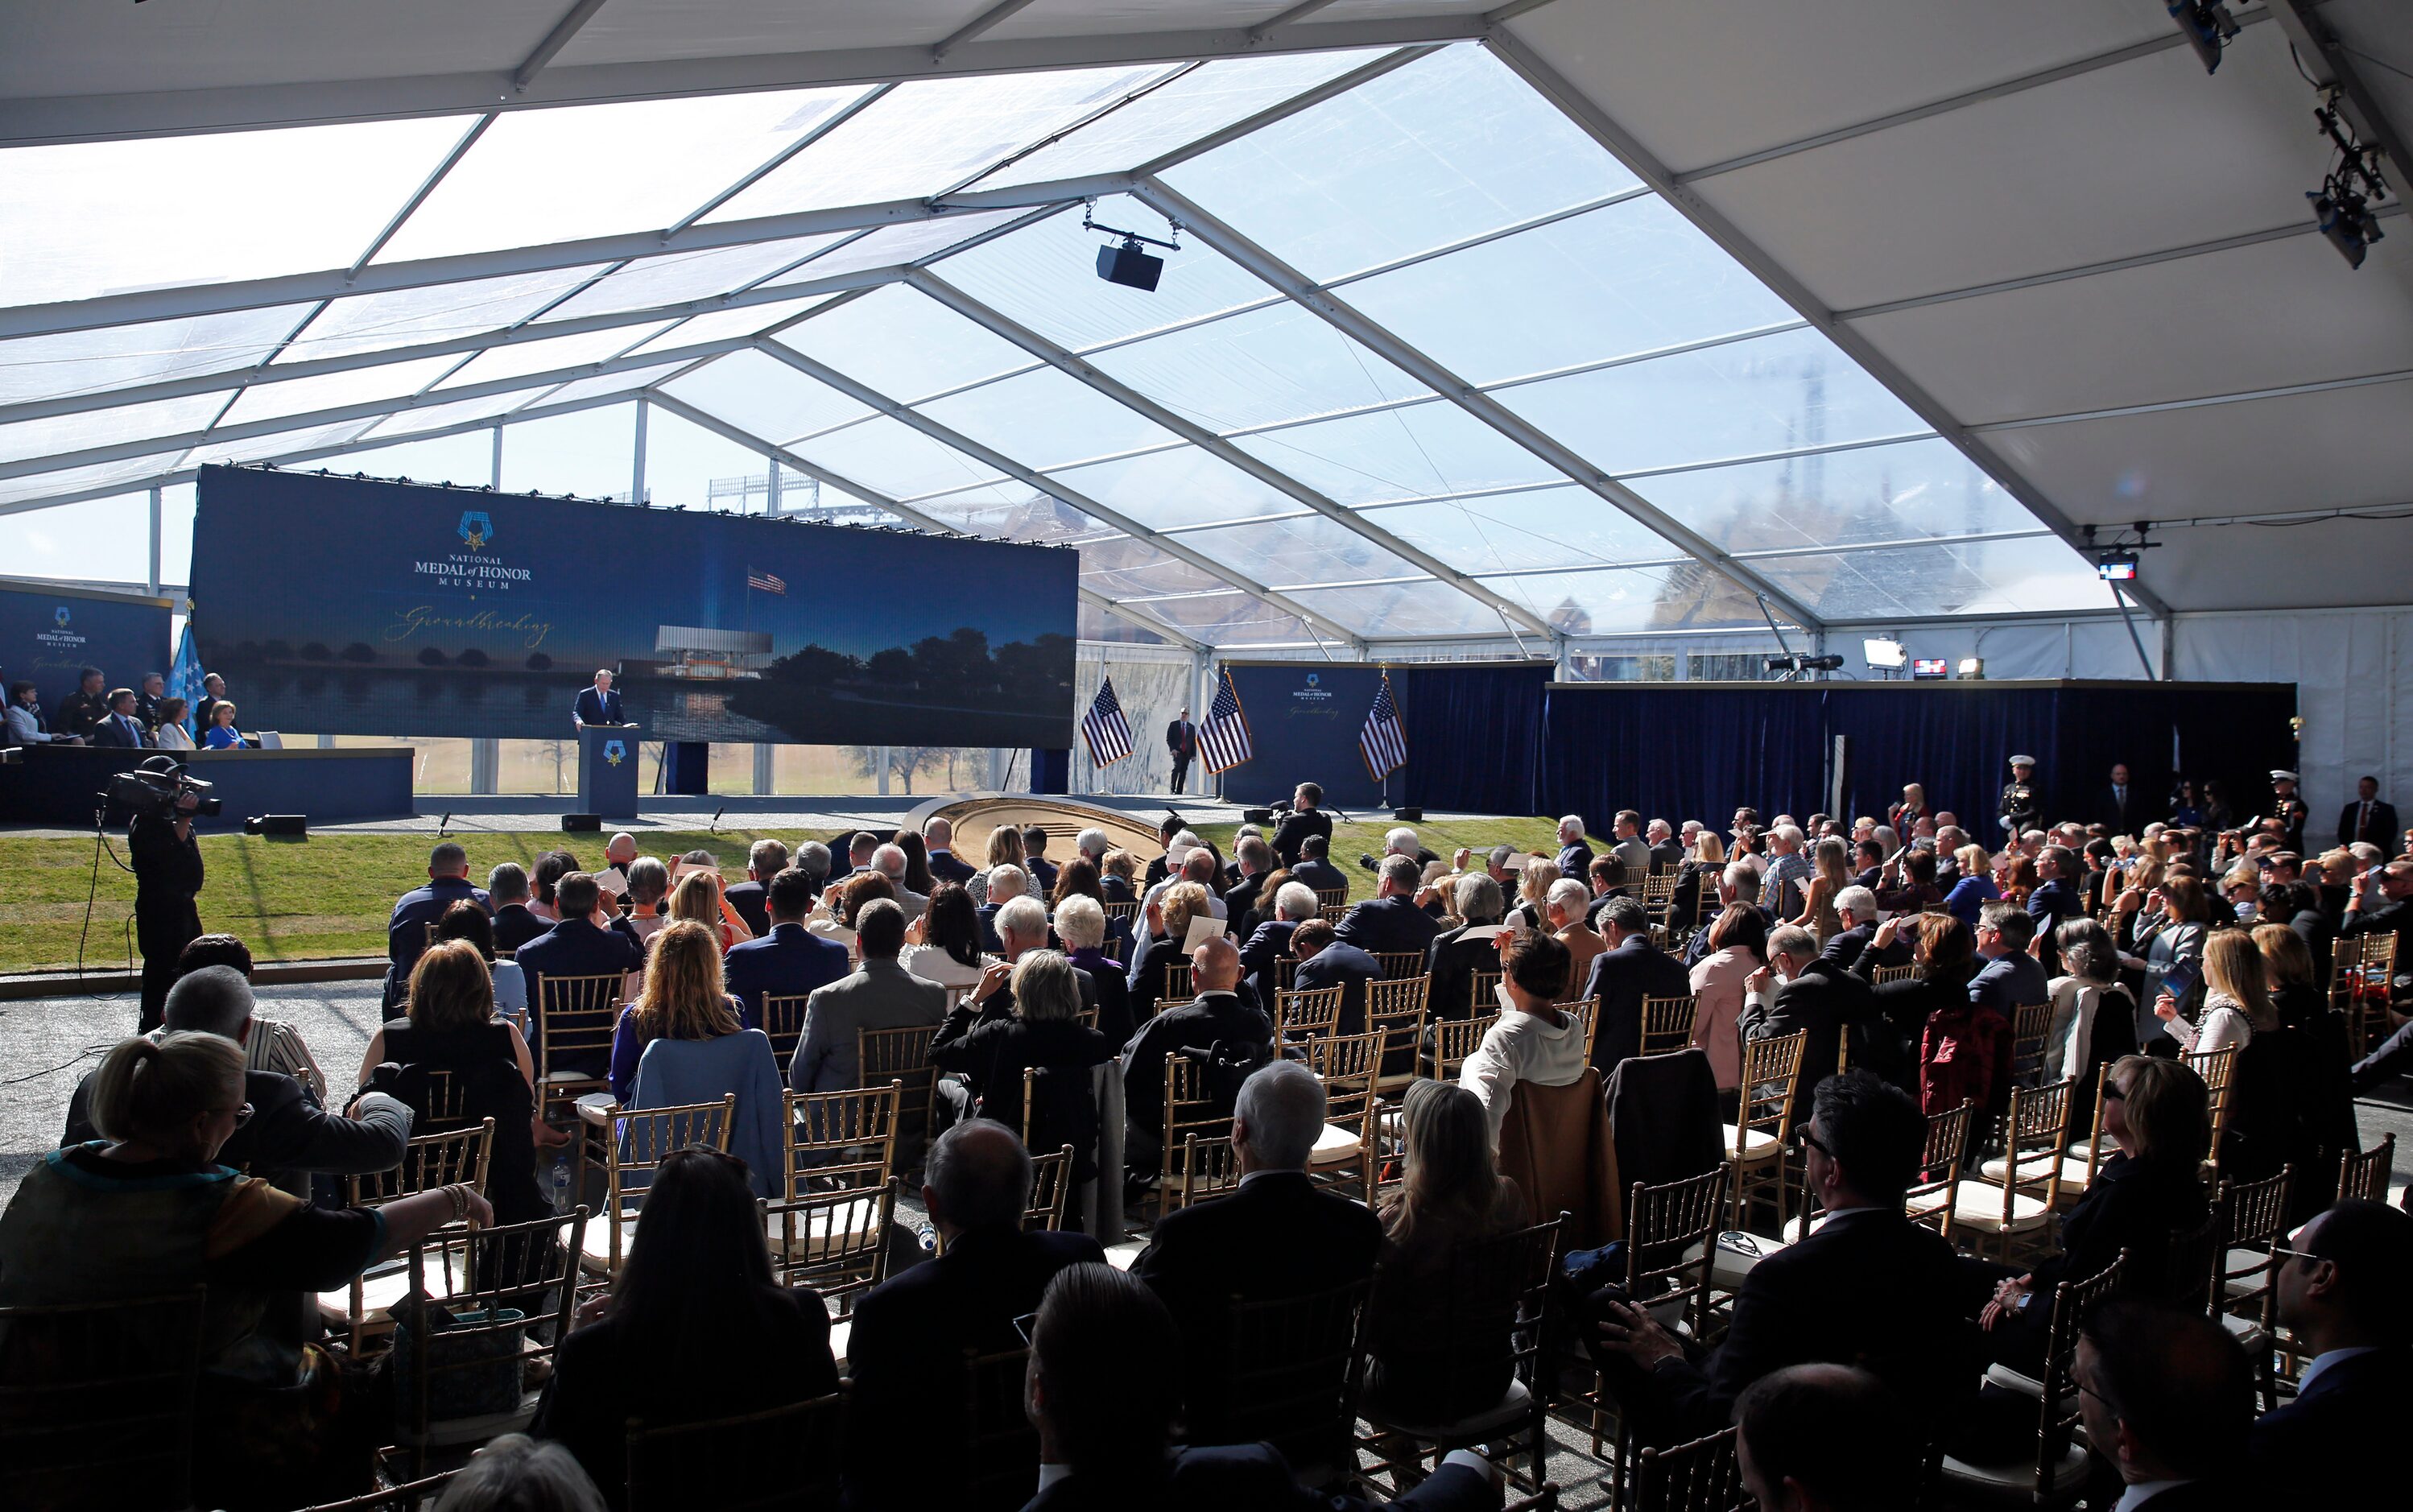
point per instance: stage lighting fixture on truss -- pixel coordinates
(1883, 653)
(1798, 665)
(2206, 26)
(1971, 670)
(2118, 563)
(1928, 668)
(1127, 264)
(2342, 205)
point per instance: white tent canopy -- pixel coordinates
(1574, 321)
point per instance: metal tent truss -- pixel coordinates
(1436, 395)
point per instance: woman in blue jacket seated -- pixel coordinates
(221, 734)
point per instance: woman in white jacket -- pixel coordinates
(1532, 1041)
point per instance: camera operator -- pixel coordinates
(166, 879)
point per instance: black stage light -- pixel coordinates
(2346, 221)
(278, 824)
(1129, 266)
(2206, 26)
(2116, 567)
(581, 823)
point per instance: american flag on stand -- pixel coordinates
(1223, 735)
(766, 583)
(1383, 742)
(1105, 728)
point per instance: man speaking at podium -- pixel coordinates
(597, 704)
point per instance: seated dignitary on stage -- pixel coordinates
(1104, 1391)
(1326, 960)
(912, 1333)
(406, 930)
(1867, 1287)
(122, 726)
(586, 942)
(1629, 970)
(2342, 1295)
(881, 994)
(789, 960)
(1220, 1017)
(25, 727)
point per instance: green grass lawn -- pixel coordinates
(328, 896)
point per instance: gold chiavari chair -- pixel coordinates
(1128, 912)
(1178, 987)
(1671, 1234)
(2083, 1158)
(1334, 913)
(631, 1144)
(1210, 1168)
(2245, 1281)
(835, 1242)
(2030, 1023)
(2055, 1470)
(1928, 1201)
(1399, 963)
(1306, 1013)
(1585, 1012)
(1051, 1190)
(428, 1162)
(1395, 1012)
(1668, 1024)
(1703, 1476)
(1285, 971)
(1349, 1067)
(578, 1015)
(1454, 1040)
(1486, 991)
(2013, 1197)
(1884, 974)
(1189, 1109)
(2361, 969)
(783, 1022)
(1000, 1449)
(2364, 1173)
(772, 1459)
(1754, 1145)
(901, 1057)
(1332, 897)
(2218, 1068)
(844, 1139)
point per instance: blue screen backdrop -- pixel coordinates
(49, 635)
(355, 606)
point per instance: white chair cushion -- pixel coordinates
(2247, 1333)
(1335, 1146)
(2032, 1167)
(2011, 1380)
(1756, 1145)
(1979, 1204)
(2018, 1477)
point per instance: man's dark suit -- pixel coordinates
(406, 931)
(574, 947)
(1275, 1237)
(789, 961)
(1621, 979)
(748, 898)
(1042, 874)
(1575, 861)
(595, 708)
(2124, 812)
(1664, 856)
(1251, 1476)
(1823, 1000)
(1867, 1288)
(1213, 1017)
(1241, 896)
(1342, 965)
(1270, 940)
(2380, 830)
(1382, 925)
(1846, 946)
(286, 1135)
(123, 732)
(2328, 1446)
(1295, 828)
(516, 926)
(1451, 960)
(1182, 739)
(1114, 887)
(2008, 981)
(906, 1356)
(989, 942)
(944, 866)
(1322, 876)
(2051, 902)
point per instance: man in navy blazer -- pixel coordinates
(1314, 869)
(791, 961)
(1326, 961)
(1390, 920)
(581, 945)
(2342, 1295)
(939, 839)
(1629, 970)
(597, 704)
(905, 1353)
(405, 932)
(2011, 978)
(123, 725)
(1575, 856)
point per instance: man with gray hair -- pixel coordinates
(1276, 1237)
(406, 932)
(1454, 956)
(906, 1354)
(1631, 968)
(1021, 928)
(1666, 854)
(1739, 883)
(764, 859)
(1255, 860)
(1575, 856)
(939, 839)
(1006, 884)
(1293, 905)
(1390, 922)
(1856, 908)
(812, 858)
(507, 892)
(1787, 870)
(1798, 991)
(288, 1138)
(889, 861)
(1219, 1018)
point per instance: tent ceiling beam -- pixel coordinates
(1408, 359)
(1580, 109)
(2200, 401)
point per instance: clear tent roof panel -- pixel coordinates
(1894, 492)
(894, 459)
(62, 482)
(1259, 368)
(1045, 418)
(1098, 624)
(1625, 600)
(611, 383)
(1182, 486)
(1010, 510)
(1430, 450)
(676, 277)
(282, 443)
(1449, 146)
(1122, 567)
(335, 390)
(106, 217)
(930, 135)
(895, 247)
(1403, 609)
(731, 325)
(1511, 532)
(1236, 619)
(436, 417)
(766, 397)
(1626, 278)
(72, 363)
(123, 425)
(2031, 574)
(548, 354)
(571, 172)
(899, 342)
(431, 313)
(1306, 551)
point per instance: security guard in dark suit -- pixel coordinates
(597, 704)
(2022, 805)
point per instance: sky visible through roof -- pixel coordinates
(1576, 393)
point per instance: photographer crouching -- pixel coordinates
(167, 871)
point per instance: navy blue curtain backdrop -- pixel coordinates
(49, 635)
(1474, 735)
(1680, 752)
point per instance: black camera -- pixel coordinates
(145, 792)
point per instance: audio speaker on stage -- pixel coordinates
(1258, 816)
(1408, 816)
(288, 825)
(582, 823)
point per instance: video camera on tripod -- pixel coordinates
(155, 790)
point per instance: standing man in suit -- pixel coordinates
(2167, 1399)
(2118, 806)
(2342, 1295)
(1575, 856)
(1182, 739)
(1326, 961)
(764, 859)
(912, 1332)
(406, 931)
(1629, 970)
(122, 727)
(1390, 920)
(597, 704)
(584, 942)
(1306, 818)
(787, 959)
(2056, 898)
(1814, 995)
(938, 838)
(2367, 819)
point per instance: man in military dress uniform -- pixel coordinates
(2022, 805)
(2285, 806)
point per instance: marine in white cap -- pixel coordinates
(2022, 805)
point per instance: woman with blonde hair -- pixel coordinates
(2236, 1000)
(1174, 908)
(1708, 861)
(684, 1041)
(1453, 1193)
(1975, 889)
(699, 899)
(684, 998)
(1830, 872)
(1004, 850)
(1534, 892)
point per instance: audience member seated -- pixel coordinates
(787, 960)
(152, 1212)
(696, 897)
(1293, 904)
(2007, 976)
(2159, 1114)
(1390, 922)
(2235, 1003)
(764, 859)
(1219, 1017)
(1855, 912)
(891, 862)
(1706, 858)
(1738, 950)
(843, 904)
(2341, 1295)
(1532, 1041)
(1825, 1438)
(879, 994)
(1004, 883)
(1081, 924)
(221, 734)
(1035, 863)
(406, 932)
(586, 942)
(938, 836)
(507, 892)
(904, 1417)
(2316, 1074)
(1813, 994)
(1004, 850)
(1040, 1029)
(851, 853)
(288, 1137)
(683, 1044)
(943, 946)
(545, 880)
(2167, 925)
(1078, 877)
(1104, 1392)
(1533, 884)
(1451, 1193)
(2094, 1020)
(1326, 960)
(1194, 863)
(694, 1328)
(1454, 956)
(1275, 1237)
(1974, 887)
(1255, 860)
(1168, 919)
(1738, 886)
(449, 1029)
(1314, 869)
(273, 1045)
(1117, 871)
(467, 921)
(1629, 968)
(1865, 1287)
(2168, 1401)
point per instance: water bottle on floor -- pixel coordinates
(562, 1200)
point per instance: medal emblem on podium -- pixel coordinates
(614, 751)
